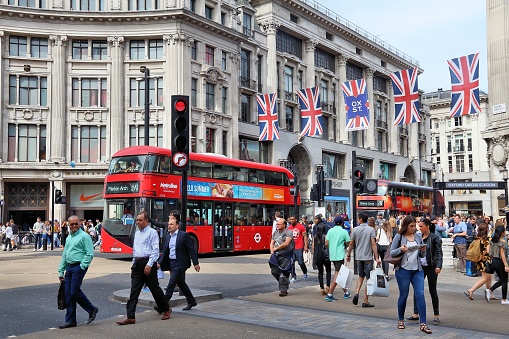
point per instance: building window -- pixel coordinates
(39, 47)
(325, 127)
(245, 68)
(210, 96)
(88, 143)
(210, 140)
(289, 119)
(155, 49)
(294, 18)
(379, 84)
(246, 24)
(380, 141)
(137, 92)
(324, 92)
(99, 49)
(449, 159)
(378, 110)
(29, 90)
(192, 5)
(470, 162)
(458, 143)
(143, 5)
(252, 150)
(28, 3)
(194, 94)
(460, 163)
(17, 46)
(358, 51)
(24, 141)
(288, 80)
(209, 55)
(194, 131)
(328, 36)
(287, 43)
(333, 165)
(469, 142)
(245, 108)
(325, 59)
(224, 100)
(223, 60)
(89, 92)
(137, 135)
(80, 49)
(223, 18)
(449, 144)
(353, 72)
(260, 75)
(137, 49)
(208, 12)
(457, 121)
(88, 5)
(193, 50)
(437, 145)
(225, 143)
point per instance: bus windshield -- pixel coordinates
(132, 163)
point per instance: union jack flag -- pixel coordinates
(464, 85)
(357, 104)
(406, 96)
(310, 111)
(267, 117)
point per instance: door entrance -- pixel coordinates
(223, 229)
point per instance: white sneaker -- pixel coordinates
(34, 250)
(487, 295)
(293, 280)
(505, 302)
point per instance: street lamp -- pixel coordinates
(505, 177)
(433, 180)
(146, 72)
(2, 208)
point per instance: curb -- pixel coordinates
(146, 298)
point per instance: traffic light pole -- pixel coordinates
(184, 201)
(52, 224)
(353, 217)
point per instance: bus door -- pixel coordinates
(223, 227)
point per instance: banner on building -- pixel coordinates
(464, 85)
(406, 96)
(267, 117)
(310, 112)
(356, 104)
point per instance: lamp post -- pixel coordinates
(505, 176)
(433, 180)
(2, 208)
(146, 73)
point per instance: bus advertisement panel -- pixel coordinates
(231, 203)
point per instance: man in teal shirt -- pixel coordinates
(76, 257)
(336, 240)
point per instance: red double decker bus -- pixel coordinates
(230, 207)
(399, 197)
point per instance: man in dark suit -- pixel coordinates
(176, 257)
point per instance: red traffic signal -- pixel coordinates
(180, 105)
(359, 179)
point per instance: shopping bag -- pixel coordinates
(308, 259)
(378, 285)
(345, 276)
(160, 274)
(61, 296)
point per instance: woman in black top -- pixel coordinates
(320, 259)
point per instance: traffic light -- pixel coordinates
(180, 132)
(359, 179)
(59, 198)
(314, 194)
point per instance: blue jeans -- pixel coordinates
(299, 257)
(404, 278)
(37, 240)
(73, 279)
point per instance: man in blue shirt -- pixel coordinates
(76, 258)
(459, 238)
(144, 270)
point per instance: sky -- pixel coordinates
(429, 31)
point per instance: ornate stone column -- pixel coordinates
(118, 119)
(309, 59)
(393, 130)
(370, 144)
(270, 28)
(57, 118)
(341, 120)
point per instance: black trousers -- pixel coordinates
(499, 267)
(178, 277)
(429, 272)
(138, 279)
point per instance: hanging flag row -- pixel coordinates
(464, 87)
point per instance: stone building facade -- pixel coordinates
(73, 93)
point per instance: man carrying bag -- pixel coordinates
(281, 259)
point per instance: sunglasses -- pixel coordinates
(74, 223)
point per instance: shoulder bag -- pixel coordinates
(396, 260)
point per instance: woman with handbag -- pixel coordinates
(321, 258)
(431, 265)
(497, 251)
(409, 245)
(482, 235)
(383, 241)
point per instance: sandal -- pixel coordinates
(401, 324)
(425, 329)
(412, 317)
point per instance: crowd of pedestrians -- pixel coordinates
(417, 240)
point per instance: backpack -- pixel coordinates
(474, 251)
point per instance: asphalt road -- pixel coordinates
(29, 283)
